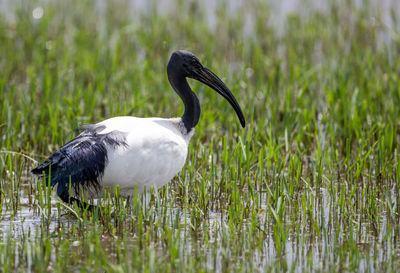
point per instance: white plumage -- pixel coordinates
(156, 151)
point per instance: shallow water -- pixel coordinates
(302, 249)
(27, 220)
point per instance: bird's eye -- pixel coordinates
(194, 61)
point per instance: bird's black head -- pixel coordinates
(185, 64)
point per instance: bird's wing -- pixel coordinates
(81, 161)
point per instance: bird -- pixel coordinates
(133, 153)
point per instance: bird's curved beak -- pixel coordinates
(207, 77)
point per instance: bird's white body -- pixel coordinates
(154, 153)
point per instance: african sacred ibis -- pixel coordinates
(134, 152)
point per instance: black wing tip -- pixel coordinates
(81, 161)
(42, 167)
(38, 170)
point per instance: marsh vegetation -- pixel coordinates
(310, 185)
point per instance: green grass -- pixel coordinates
(310, 185)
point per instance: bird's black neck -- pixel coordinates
(191, 115)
